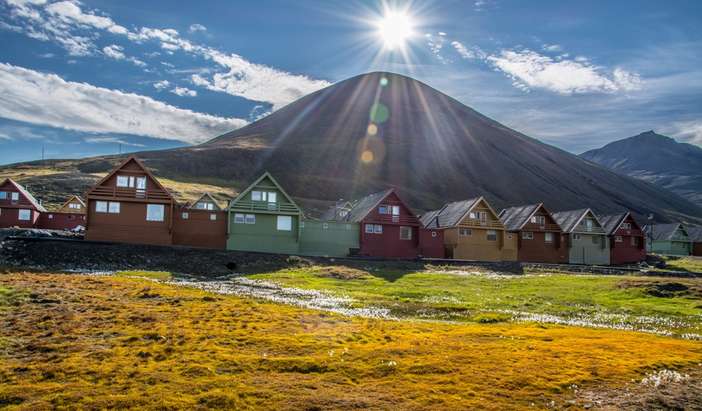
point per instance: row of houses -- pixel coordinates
(130, 205)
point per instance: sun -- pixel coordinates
(395, 28)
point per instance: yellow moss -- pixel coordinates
(156, 275)
(119, 342)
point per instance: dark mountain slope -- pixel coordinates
(657, 159)
(432, 148)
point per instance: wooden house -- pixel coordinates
(431, 237)
(330, 235)
(668, 239)
(129, 205)
(626, 239)
(695, 233)
(70, 216)
(539, 238)
(387, 226)
(18, 207)
(587, 240)
(202, 223)
(264, 218)
(472, 231)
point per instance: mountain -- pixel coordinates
(657, 159)
(378, 130)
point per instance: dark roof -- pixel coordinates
(451, 213)
(568, 219)
(26, 194)
(514, 218)
(361, 207)
(662, 231)
(332, 213)
(429, 219)
(695, 233)
(611, 222)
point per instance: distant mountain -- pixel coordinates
(657, 159)
(378, 130)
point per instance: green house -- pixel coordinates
(668, 239)
(330, 235)
(264, 218)
(588, 242)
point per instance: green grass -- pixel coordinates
(690, 264)
(478, 297)
(154, 275)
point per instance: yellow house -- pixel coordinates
(473, 231)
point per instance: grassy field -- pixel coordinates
(647, 303)
(691, 264)
(76, 341)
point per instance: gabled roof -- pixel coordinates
(429, 219)
(611, 223)
(568, 220)
(255, 183)
(331, 213)
(26, 194)
(207, 196)
(363, 206)
(663, 232)
(71, 198)
(451, 214)
(514, 218)
(695, 233)
(142, 166)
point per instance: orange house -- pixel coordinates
(473, 231)
(129, 205)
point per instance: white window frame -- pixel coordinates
(472, 215)
(325, 226)
(465, 232)
(213, 217)
(383, 209)
(51, 216)
(114, 207)
(185, 216)
(74, 206)
(239, 218)
(369, 228)
(489, 233)
(257, 195)
(3, 195)
(576, 236)
(24, 214)
(548, 237)
(482, 215)
(122, 181)
(395, 210)
(101, 206)
(141, 183)
(14, 196)
(377, 229)
(284, 223)
(272, 197)
(155, 218)
(618, 239)
(527, 235)
(626, 226)
(250, 219)
(407, 230)
(433, 234)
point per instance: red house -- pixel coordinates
(389, 229)
(70, 216)
(431, 237)
(626, 239)
(129, 205)
(18, 208)
(201, 223)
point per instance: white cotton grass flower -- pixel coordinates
(664, 377)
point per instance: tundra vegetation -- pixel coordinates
(130, 341)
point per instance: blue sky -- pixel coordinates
(93, 77)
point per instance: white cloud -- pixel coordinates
(161, 85)
(462, 50)
(117, 53)
(47, 99)
(688, 131)
(552, 47)
(110, 140)
(529, 69)
(184, 92)
(69, 12)
(197, 27)
(436, 43)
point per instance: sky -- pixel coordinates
(83, 78)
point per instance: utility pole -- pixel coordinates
(120, 148)
(42, 153)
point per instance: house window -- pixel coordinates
(491, 235)
(213, 217)
(250, 219)
(483, 216)
(395, 210)
(433, 234)
(74, 206)
(155, 212)
(25, 215)
(548, 237)
(203, 205)
(284, 223)
(257, 196)
(465, 232)
(3, 195)
(369, 228)
(141, 183)
(618, 239)
(325, 226)
(101, 206)
(383, 209)
(405, 233)
(635, 241)
(51, 216)
(185, 216)
(15, 196)
(595, 239)
(588, 224)
(472, 215)
(626, 226)
(113, 207)
(377, 229)
(272, 197)
(538, 219)
(576, 236)
(527, 235)
(123, 181)
(343, 213)
(239, 218)
(302, 224)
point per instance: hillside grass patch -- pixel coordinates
(95, 342)
(154, 275)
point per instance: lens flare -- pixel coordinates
(395, 28)
(372, 129)
(367, 156)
